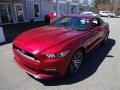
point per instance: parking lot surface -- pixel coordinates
(100, 72)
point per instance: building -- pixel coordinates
(19, 11)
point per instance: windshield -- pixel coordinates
(77, 23)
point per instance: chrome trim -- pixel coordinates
(35, 76)
(26, 56)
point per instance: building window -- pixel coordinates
(54, 7)
(5, 14)
(36, 10)
(81, 9)
(10, 13)
(73, 9)
(62, 8)
(19, 12)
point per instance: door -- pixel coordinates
(99, 23)
(36, 10)
(19, 12)
(10, 13)
(4, 15)
(95, 34)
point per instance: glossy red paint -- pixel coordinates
(52, 15)
(38, 42)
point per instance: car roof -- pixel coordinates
(81, 15)
(87, 12)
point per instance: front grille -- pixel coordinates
(25, 54)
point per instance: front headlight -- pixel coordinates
(57, 55)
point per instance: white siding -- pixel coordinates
(46, 7)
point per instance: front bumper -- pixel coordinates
(35, 74)
(37, 70)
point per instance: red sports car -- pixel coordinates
(59, 49)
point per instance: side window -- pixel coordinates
(84, 21)
(101, 21)
(63, 22)
(96, 22)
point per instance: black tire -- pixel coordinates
(76, 62)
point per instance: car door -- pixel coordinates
(101, 32)
(96, 35)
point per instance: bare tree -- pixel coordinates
(112, 5)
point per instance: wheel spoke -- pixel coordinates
(76, 62)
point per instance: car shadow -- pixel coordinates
(90, 66)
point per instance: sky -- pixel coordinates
(90, 1)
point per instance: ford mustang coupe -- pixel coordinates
(59, 49)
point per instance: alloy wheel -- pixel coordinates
(76, 62)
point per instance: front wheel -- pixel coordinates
(76, 62)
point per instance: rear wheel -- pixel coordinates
(76, 62)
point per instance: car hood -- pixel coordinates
(42, 38)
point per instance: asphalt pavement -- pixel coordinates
(100, 72)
